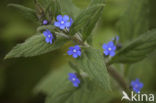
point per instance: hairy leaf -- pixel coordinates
(134, 21)
(28, 13)
(44, 27)
(136, 50)
(92, 62)
(87, 93)
(54, 81)
(86, 20)
(67, 7)
(34, 46)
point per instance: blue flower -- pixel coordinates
(75, 51)
(71, 22)
(73, 78)
(109, 49)
(63, 21)
(136, 85)
(45, 22)
(48, 36)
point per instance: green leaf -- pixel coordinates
(87, 19)
(92, 62)
(28, 13)
(34, 46)
(134, 21)
(136, 50)
(67, 7)
(54, 81)
(87, 93)
(44, 27)
(59, 90)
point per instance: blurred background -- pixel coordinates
(18, 77)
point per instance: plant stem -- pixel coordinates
(117, 77)
(74, 38)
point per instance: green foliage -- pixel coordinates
(90, 67)
(92, 62)
(136, 50)
(87, 19)
(135, 20)
(60, 90)
(67, 7)
(45, 27)
(28, 13)
(34, 46)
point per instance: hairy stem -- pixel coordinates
(74, 38)
(117, 77)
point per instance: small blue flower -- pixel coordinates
(116, 39)
(48, 36)
(63, 22)
(45, 22)
(109, 49)
(136, 85)
(73, 78)
(75, 51)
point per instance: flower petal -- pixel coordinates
(106, 52)
(110, 43)
(50, 41)
(132, 83)
(47, 40)
(75, 84)
(105, 46)
(45, 33)
(62, 26)
(71, 21)
(79, 53)
(67, 24)
(59, 18)
(112, 53)
(71, 48)
(75, 55)
(57, 24)
(65, 17)
(70, 52)
(141, 85)
(113, 48)
(77, 47)
(78, 81)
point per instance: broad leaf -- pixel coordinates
(86, 20)
(134, 21)
(136, 50)
(87, 93)
(28, 13)
(54, 80)
(92, 62)
(44, 27)
(67, 7)
(34, 46)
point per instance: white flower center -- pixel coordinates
(109, 49)
(49, 36)
(62, 22)
(74, 50)
(74, 79)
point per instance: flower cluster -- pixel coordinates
(136, 85)
(63, 22)
(48, 36)
(73, 78)
(74, 51)
(109, 49)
